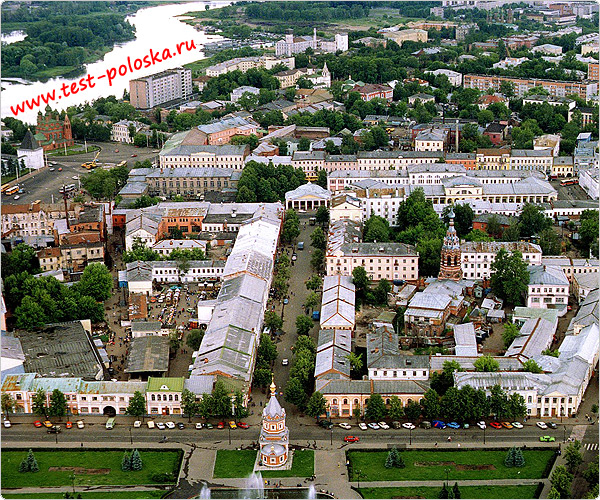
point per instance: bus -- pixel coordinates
(67, 189)
(110, 423)
(11, 191)
(569, 182)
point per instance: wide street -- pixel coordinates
(45, 184)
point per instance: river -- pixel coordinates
(156, 28)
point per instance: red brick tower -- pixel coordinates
(450, 264)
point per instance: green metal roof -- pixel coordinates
(158, 384)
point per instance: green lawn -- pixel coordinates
(73, 150)
(234, 463)
(154, 462)
(527, 491)
(94, 494)
(8, 178)
(371, 465)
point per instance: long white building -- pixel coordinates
(478, 256)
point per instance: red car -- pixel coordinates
(60, 169)
(495, 425)
(37, 423)
(133, 156)
(351, 439)
(243, 425)
(221, 425)
(69, 425)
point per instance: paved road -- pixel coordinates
(44, 185)
(573, 192)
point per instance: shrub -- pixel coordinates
(164, 477)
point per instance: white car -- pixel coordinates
(408, 425)
(481, 425)
(373, 426)
(170, 425)
(383, 425)
(137, 424)
(80, 424)
(16, 197)
(541, 425)
(346, 426)
(7, 423)
(517, 425)
(199, 425)
(285, 362)
(160, 426)
(362, 426)
(75, 177)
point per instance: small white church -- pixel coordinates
(31, 152)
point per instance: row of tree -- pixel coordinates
(299, 389)
(139, 251)
(267, 183)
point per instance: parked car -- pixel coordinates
(160, 426)
(170, 425)
(199, 425)
(396, 424)
(408, 425)
(507, 425)
(326, 424)
(351, 439)
(438, 424)
(55, 429)
(221, 425)
(180, 425)
(47, 423)
(346, 426)
(552, 425)
(285, 362)
(453, 425)
(541, 425)
(150, 424)
(243, 425)
(373, 426)
(232, 425)
(37, 423)
(495, 425)
(80, 424)
(69, 425)
(547, 439)
(517, 425)
(208, 426)
(7, 424)
(362, 426)
(51, 169)
(481, 424)
(466, 426)
(137, 424)
(383, 425)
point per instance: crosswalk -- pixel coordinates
(591, 446)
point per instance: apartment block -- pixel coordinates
(586, 89)
(243, 64)
(478, 256)
(153, 90)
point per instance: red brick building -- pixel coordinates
(374, 90)
(52, 132)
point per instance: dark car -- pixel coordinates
(55, 429)
(326, 424)
(180, 425)
(438, 424)
(552, 425)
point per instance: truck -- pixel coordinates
(312, 221)
(91, 164)
(110, 423)
(300, 245)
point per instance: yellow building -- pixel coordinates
(410, 35)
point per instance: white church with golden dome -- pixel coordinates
(274, 435)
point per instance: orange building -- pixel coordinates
(468, 160)
(52, 132)
(189, 220)
(593, 73)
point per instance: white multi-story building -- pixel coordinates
(430, 140)
(240, 91)
(528, 159)
(35, 219)
(153, 90)
(454, 77)
(243, 64)
(295, 45)
(548, 287)
(120, 131)
(478, 256)
(588, 180)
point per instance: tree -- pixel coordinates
(22, 258)
(356, 361)
(303, 324)
(360, 280)
(394, 459)
(531, 366)
(507, 88)
(8, 404)
(220, 401)
(396, 411)
(588, 232)
(561, 481)
(318, 239)
(376, 229)
(477, 235)
(551, 352)
(532, 220)
(96, 282)
(316, 405)
(322, 214)
(239, 410)
(510, 276)
(553, 493)
(303, 144)
(573, 456)
(294, 392)
(322, 180)
(39, 403)
(126, 462)
(486, 364)
(498, 401)
(29, 463)
(262, 377)
(463, 218)
(509, 460)
(137, 405)
(450, 404)
(273, 321)
(519, 460)
(456, 491)
(314, 283)
(194, 339)
(381, 292)
(58, 404)
(188, 403)
(136, 461)
(376, 409)
(412, 410)
(431, 404)
(317, 261)
(444, 492)
(510, 333)
(550, 242)
(267, 351)
(312, 300)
